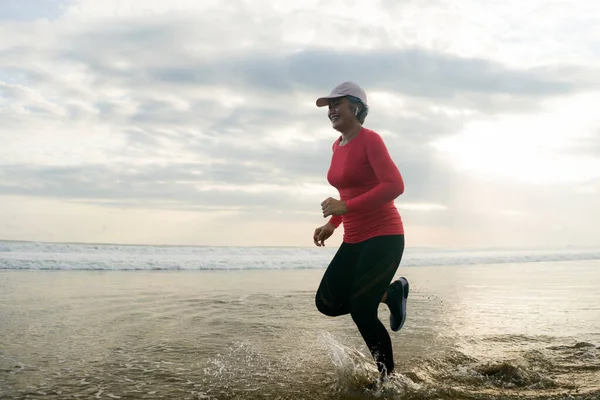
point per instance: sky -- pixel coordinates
(194, 122)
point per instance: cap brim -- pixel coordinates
(324, 101)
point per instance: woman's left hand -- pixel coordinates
(331, 206)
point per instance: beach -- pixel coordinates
(486, 331)
(177, 176)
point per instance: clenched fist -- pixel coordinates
(331, 206)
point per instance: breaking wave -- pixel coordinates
(75, 256)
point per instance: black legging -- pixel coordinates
(355, 282)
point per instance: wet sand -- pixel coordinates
(473, 332)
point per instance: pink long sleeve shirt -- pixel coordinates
(368, 181)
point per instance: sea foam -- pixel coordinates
(76, 256)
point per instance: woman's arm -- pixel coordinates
(335, 220)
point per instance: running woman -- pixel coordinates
(358, 277)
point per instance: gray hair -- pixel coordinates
(363, 109)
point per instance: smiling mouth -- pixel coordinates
(334, 118)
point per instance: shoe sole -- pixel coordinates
(404, 299)
(405, 289)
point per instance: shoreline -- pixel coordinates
(438, 248)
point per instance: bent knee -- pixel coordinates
(325, 308)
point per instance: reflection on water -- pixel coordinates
(488, 332)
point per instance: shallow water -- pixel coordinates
(507, 331)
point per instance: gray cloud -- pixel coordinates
(150, 63)
(172, 53)
(414, 72)
(167, 57)
(208, 131)
(199, 184)
(179, 186)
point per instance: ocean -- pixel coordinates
(103, 321)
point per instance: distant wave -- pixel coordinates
(75, 256)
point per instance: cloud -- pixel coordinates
(209, 108)
(412, 72)
(180, 186)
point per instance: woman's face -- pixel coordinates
(341, 114)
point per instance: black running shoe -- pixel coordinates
(396, 302)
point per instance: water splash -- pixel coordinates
(356, 374)
(352, 368)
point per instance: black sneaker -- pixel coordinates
(396, 302)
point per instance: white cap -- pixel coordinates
(341, 90)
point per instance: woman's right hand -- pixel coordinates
(323, 233)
